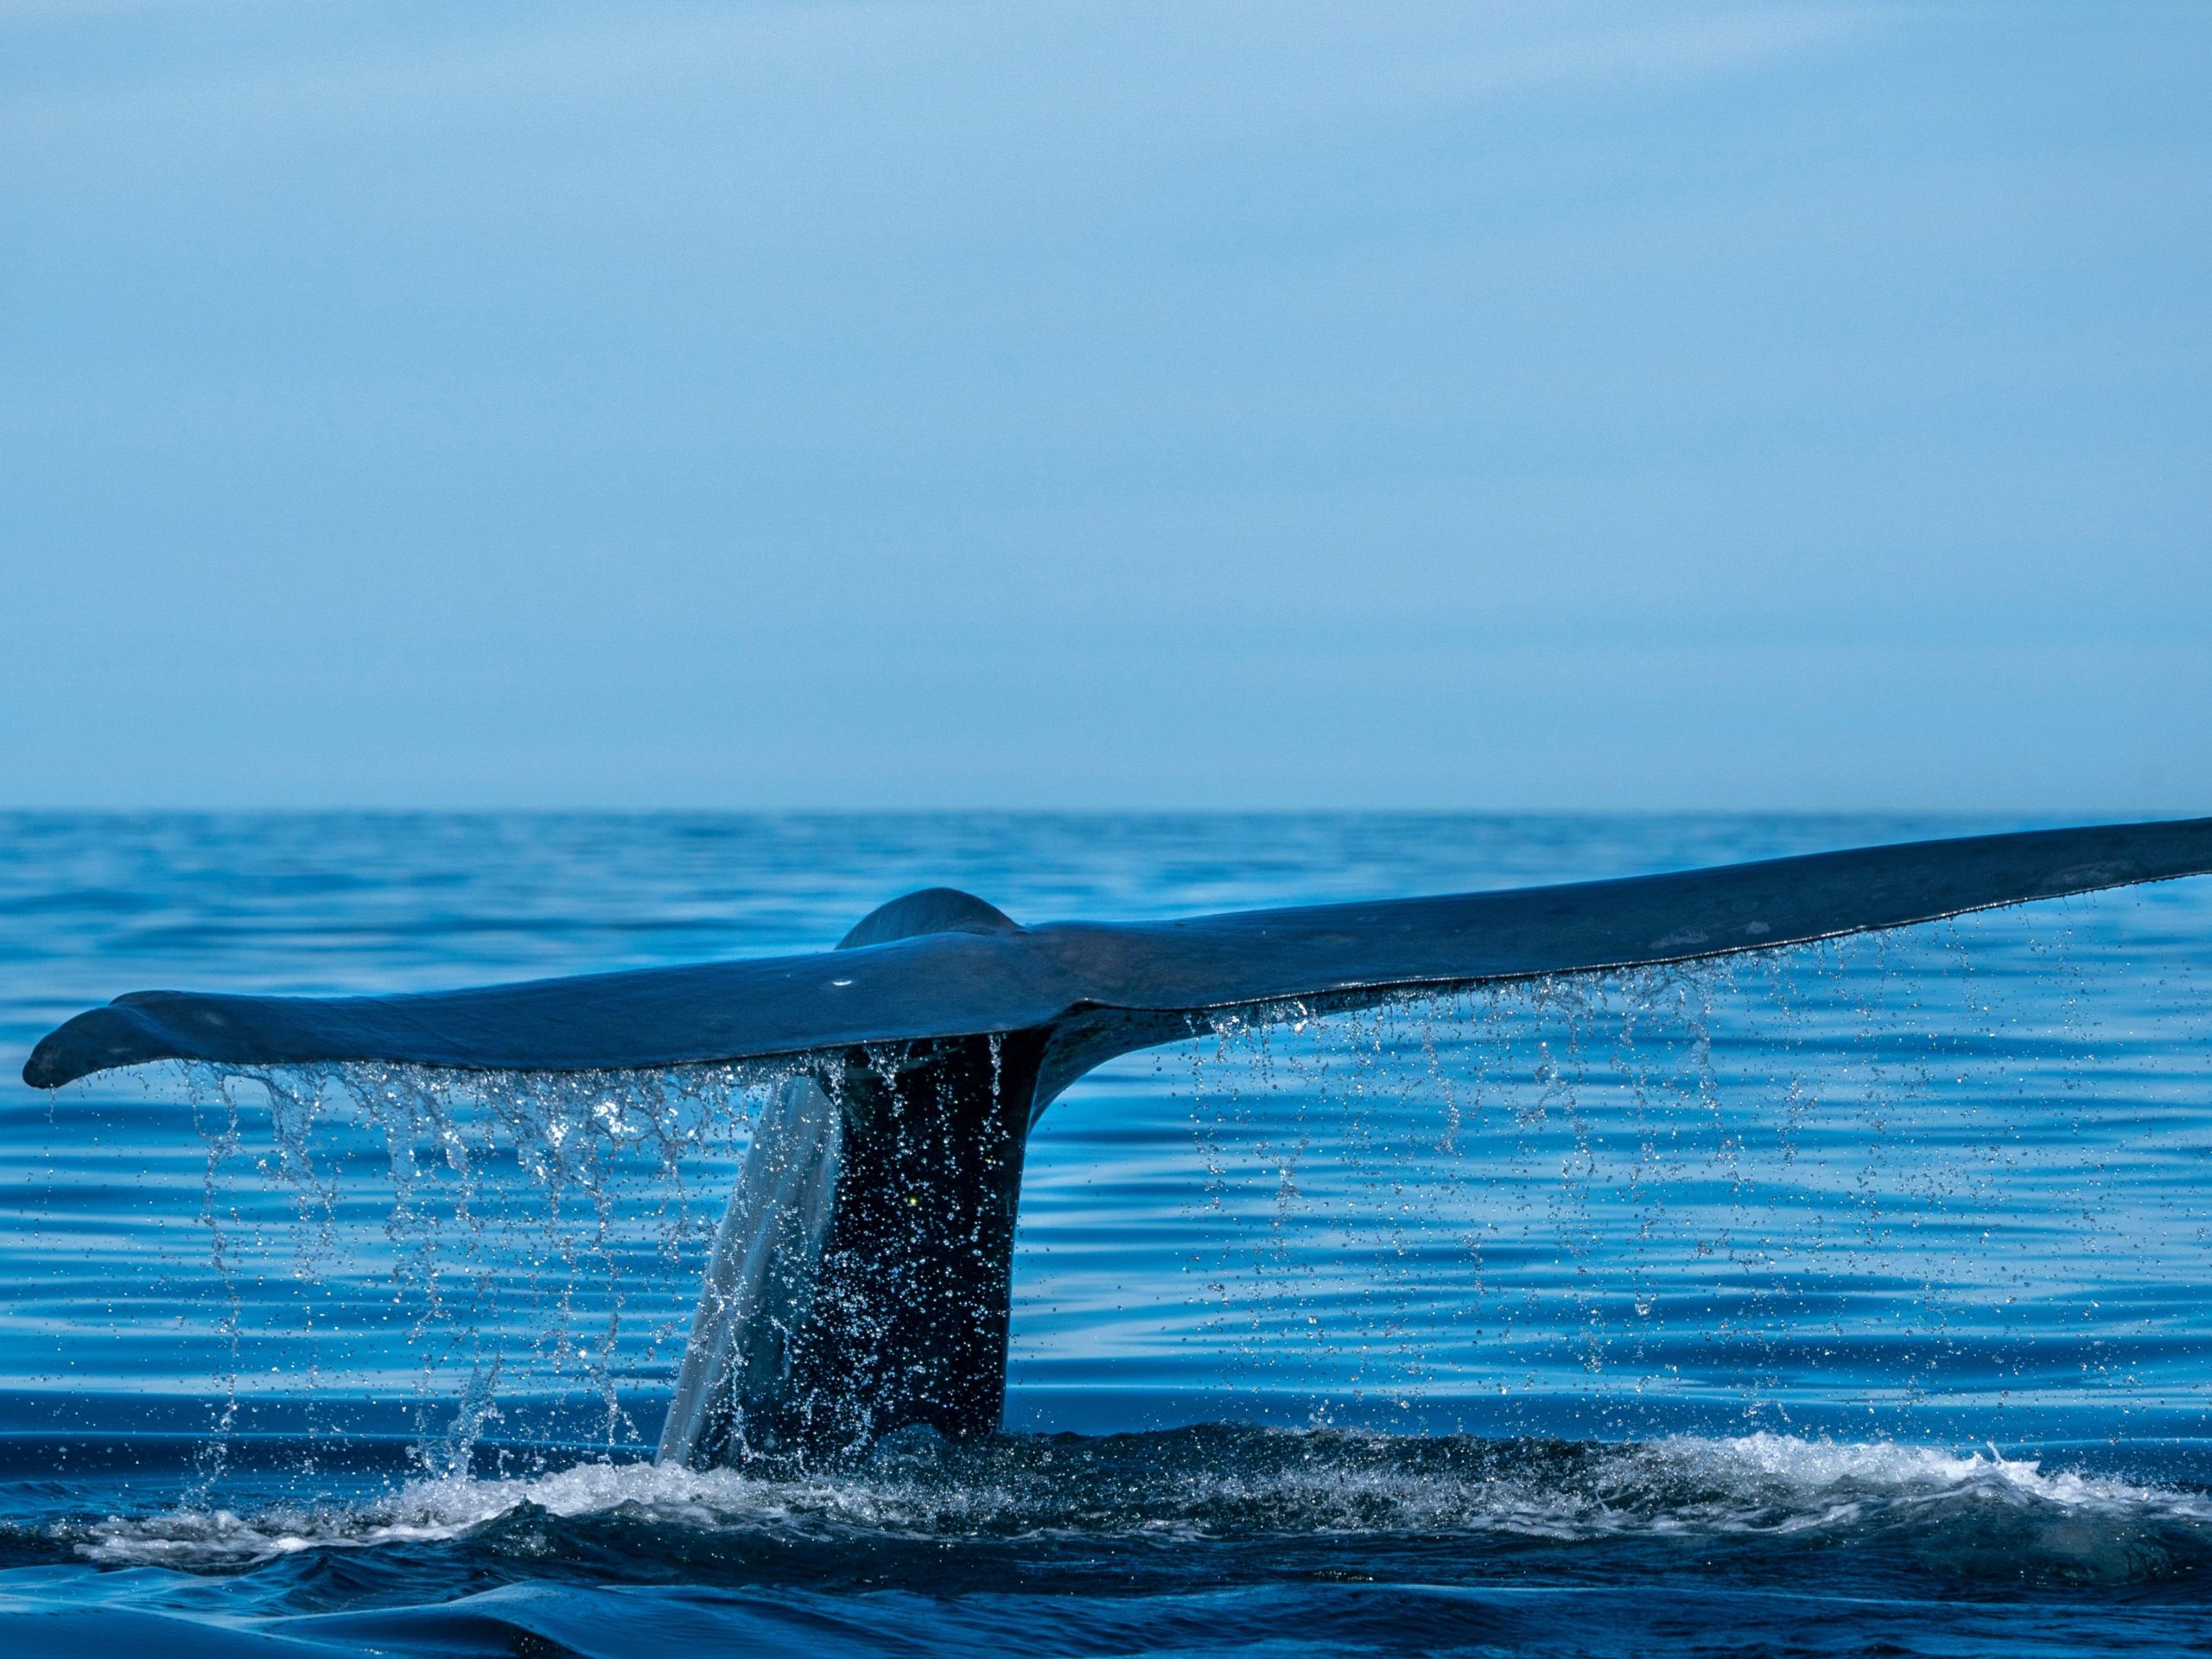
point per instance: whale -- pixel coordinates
(859, 1284)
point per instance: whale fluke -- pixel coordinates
(939, 965)
(860, 1281)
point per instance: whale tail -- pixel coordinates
(860, 1281)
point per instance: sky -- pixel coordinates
(1160, 403)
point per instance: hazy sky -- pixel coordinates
(1146, 404)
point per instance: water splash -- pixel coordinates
(1237, 1487)
(523, 1234)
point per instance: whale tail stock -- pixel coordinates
(886, 1306)
(860, 1283)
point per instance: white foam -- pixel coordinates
(1906, 1472)
(1335, 1484)
(428, 1510)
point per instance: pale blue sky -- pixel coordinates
(1129, 405)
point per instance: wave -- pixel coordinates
(1228, 1485)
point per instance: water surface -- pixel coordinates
(1845, 1298)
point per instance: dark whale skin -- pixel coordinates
(938, 964)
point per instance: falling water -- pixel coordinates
(1868, 1186)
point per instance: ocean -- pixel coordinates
(1848, 1299)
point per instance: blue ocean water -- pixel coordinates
(1848, 1299)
